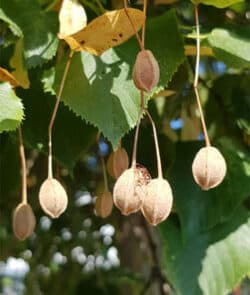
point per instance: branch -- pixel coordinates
(156, 272)
(132, 24)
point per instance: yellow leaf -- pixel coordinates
(158, 2)
(72, 18)
(6, 76)
(16, 62)
(106, 31)
(205, 50)
(165, 93)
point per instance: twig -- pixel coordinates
(23, 165)
(156, 269)
(196, 79)
(132, 24)
(158, 156)
(144, 24)
(134, 156)
(53, 117)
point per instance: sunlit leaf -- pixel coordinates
(11, 24)
(195, 267)
(11, 107)
(98, 88)
(72, 18)
(231, 45)
(38, 29)
(106, 31)
(217, 3)
(226, 262)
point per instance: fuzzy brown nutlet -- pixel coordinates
(118, 162)
(129, 189)
(209, 167)
(24, 221)
(146, 72)
(53, 198)
(104, 204)
(158, 201)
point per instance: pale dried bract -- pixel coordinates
(104, 204)
(53, 198)
(24, 221)
(158, 202)
(118, 162)
(146, 71)
(129, 189)
(209, 168)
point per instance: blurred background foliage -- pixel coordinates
(204, 246)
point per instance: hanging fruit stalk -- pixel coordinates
(129, 189)
(24, 221)
(52, 196)
(209, 166)
(135, 190)
(158, 201)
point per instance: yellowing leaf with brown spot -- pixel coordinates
(16, 62)
(72, 18)
(6, 76)
(106, 31)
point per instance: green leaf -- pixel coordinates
(226, 262)
(15, 29)
(187, 263)
(231, 45)
(101, 90)
(39, 29)
(11, 107)
(217, 3)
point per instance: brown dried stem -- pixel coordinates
(196, 79)
(132, 24)
(134, 156)
(23, 165)
(53, 117)
(144, 24)
(158, 156)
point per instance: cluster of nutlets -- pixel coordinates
(135, 190)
